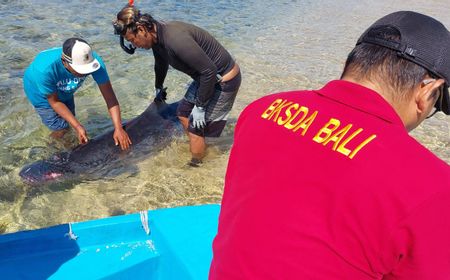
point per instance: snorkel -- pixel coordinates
(120, 28)
(130, 19)
(128, 49)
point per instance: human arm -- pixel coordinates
(160, 95)
(191, 54)
(62, 110)
(161, 68)
(120, 136)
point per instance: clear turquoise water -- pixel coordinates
(280, 45)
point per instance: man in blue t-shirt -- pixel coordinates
(52, 79)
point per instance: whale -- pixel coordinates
(157, 126)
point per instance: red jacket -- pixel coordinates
(328, 184)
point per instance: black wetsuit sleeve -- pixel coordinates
(161, 68)
(194, 57)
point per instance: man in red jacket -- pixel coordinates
(327, 184)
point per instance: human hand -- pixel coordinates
(81, 133)
(160, 95)
(121, 137)
(198, 117)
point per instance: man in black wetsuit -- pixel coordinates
(189, 49)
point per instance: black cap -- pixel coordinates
(423, 40)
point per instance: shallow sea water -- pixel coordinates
(280, 45)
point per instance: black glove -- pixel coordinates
(160, 95)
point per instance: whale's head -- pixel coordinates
(44, 171)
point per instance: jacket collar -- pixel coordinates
(360, 98)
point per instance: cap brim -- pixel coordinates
(86, 68)
(445, 102)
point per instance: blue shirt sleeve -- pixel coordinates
(101, 75)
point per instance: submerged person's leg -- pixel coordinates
(58, 134)
(186, 104)
(217, 112)
(198, 148)
(55, 122)
(197, 143)
(185, 123)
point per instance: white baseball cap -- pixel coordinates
(78, 54)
